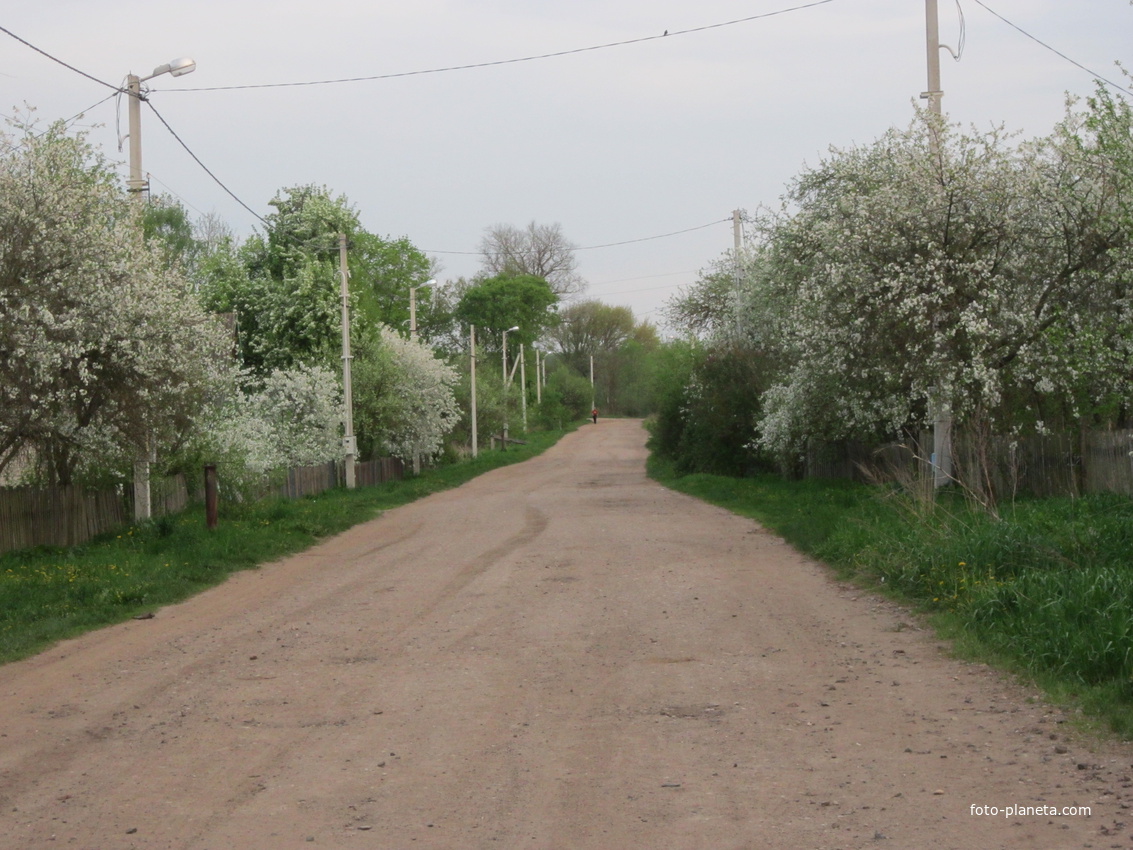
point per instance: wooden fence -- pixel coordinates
(312, 480)
(1049, 465)
(57, 516)
(371, 472)
(68, 516)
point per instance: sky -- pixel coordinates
(663, 136)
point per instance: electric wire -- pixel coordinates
(197, 159)
(583, 247)
(79, 115)
(1039, 41)
(651, 238)
(60, 61)
(498, 62)
(963, 38)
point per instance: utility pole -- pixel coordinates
(349, 443)
(938, 405)
(737, 231)
(472, 369)
(538, 380)
(523, 383)
(932, 46)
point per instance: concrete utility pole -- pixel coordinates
(593, 397)
(349, 443)
(472, 370)
(737, 231)
(939, 408)
(507, 380)
(932, 45)
(538, 380)
(138, 187)
(523, 383)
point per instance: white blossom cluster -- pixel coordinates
(938, 268)
(103, 351)
(406, 396)
(293, 417)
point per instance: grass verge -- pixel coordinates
(49, 594)
(1045, 590)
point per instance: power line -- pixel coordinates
(1039, 41)
(645, 289)
(641, 277)
(650, 238)
(555, 54)
(60, 61)
(584, 247)
(197, 159)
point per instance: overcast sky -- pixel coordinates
(621, 143)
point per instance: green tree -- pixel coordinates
(165, 221)
(500, 303)
(381, 274)
(590, 328)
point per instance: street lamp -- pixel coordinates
(504, 349)
(137, 185)
(177, 68)
(413, 306)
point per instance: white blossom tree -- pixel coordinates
(405, 402)
(103, 350)
(292, 417)
(934, 263)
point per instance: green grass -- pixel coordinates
(48, 594)
(1045, 590)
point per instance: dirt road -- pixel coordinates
(560, 654)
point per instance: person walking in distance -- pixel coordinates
(594, 413)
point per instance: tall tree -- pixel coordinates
(503, 302)
(102, 346)
(538, 250)
(938, 263)
(590, 328)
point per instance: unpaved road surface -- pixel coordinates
(561, 654)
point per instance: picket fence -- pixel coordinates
(69, 516)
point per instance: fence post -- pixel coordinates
(210, 496)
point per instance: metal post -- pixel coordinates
(349, 443)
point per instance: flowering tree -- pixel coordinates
(938, 264)
(293, 417)
(103, 351)
(404, 397)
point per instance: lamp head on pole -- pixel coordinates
(176, 68)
